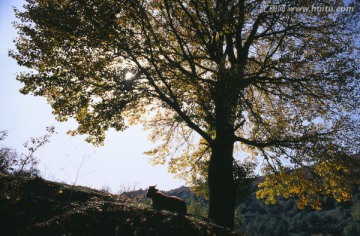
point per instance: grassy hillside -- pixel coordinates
(40, 207)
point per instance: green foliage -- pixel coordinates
(198, 208)
(356, 212)
(244, 176)
(352, 229)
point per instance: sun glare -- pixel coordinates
(128, 75)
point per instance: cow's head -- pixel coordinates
(151, 191)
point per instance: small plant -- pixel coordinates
(105, 189)
(13, 163)
(20, 166)
(77, 176)
(128, 189)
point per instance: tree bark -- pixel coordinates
(220, 174)
(221, 182)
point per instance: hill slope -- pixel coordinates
(40, 207)
(254, 218)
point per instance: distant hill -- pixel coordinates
(39, 207)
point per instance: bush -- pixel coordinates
(13, 163)
(19, 165)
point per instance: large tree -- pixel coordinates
(283, 84)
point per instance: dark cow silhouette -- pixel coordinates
(163, 202)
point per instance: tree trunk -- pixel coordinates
(220, 174)
(221, 182)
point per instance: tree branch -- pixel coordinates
(278, 142)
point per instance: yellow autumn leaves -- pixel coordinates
(308, 184)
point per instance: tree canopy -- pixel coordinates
(207, 77)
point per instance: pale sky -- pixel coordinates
(120, 162)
